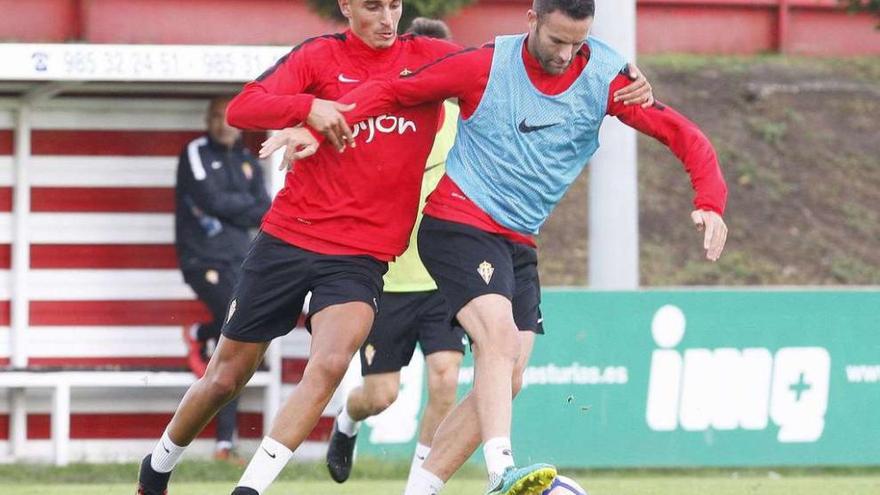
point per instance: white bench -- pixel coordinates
(63, 382)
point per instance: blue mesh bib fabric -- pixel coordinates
(520, 151)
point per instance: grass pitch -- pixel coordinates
(664, 485)
(372, 478)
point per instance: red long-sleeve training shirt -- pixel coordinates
(465, 74)
(363, 201)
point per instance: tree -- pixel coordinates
(411, 9)
(863, 6)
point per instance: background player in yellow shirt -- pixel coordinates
(411, 311)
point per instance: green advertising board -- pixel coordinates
(685, 378)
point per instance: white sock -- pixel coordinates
(345, 424)
(223, 445)
(165, 454)
(419, 457)
(422, 482)
(499, 456)
(266, 465)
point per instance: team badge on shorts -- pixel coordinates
(486, 270)
(212, 277)
(248, 170)
(370, 353)
(232, 306)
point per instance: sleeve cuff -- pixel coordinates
(302, 106)
(711, 207)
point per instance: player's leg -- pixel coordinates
(458, 435)
(534, 479)
(443, 367)
(388, 348)
(475, 272)
(375, 395)
(337, 333)
(443, 345)
(488, 320)
(216, 293)
(268, 299)
(342, 311)
(231, 366)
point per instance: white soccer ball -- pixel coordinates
(564, 486)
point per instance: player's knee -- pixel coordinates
(329, 366)
(382, 399)
(442, 383)
(499, 339)
(508, 347)
(223, 386)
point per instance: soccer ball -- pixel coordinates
(564, 486)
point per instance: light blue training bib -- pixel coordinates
(517, 155)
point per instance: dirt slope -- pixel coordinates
(799, 141)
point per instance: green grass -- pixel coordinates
(863, 68)
(377, 478)
(665, 485)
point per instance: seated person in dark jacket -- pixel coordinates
(221, 196)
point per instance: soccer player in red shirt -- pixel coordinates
(531, 108)
(331, 231)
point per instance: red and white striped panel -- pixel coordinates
(104, 282)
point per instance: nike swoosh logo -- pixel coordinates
(344, 79)
(525, 128)
(421, 458)
(166, 448)
(269, 453)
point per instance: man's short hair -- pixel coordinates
(219, 101)
(576, 9)
(432, 28)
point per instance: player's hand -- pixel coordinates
(326, 117)
(639, 92)
(714, 232)
(299, 144)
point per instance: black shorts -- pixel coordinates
(467, 262)
(406, 318)
(275, 278)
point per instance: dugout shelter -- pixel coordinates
(92, 303)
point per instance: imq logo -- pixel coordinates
(735, 389)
